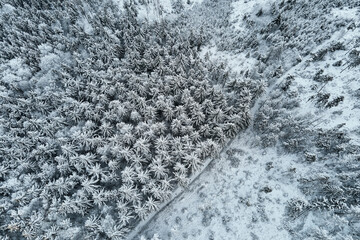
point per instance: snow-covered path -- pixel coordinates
(244, 193)
(241, 196)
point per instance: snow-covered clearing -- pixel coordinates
(244, 194)
(241, 195)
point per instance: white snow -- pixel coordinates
(344, 84)
(152, 11)
(243, 7)
(244, 192)
(228, 200)
(6, 8)
(237, 62)
(346, 13)
(15, 72)
(84, 23)
(156, 10)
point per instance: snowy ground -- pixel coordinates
(293, 174)
(244, 193)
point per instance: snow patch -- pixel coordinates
(15, 72)
(346, 13)
(84, 23)
(7, 8)
(243, 7)
(49, 61)
(237, 62)
(242, 196)
(155, 10)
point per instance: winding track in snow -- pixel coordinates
(180, 192)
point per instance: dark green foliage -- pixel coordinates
(354, 56)
(320, 77)
(332, 141)
(286, 85)
(310, 157)
(296, 208)
(322, 99)
(336, 101)
(319, 55)
(337, 63)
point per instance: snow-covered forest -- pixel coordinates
(174, 119)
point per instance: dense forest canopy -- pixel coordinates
(102, 116)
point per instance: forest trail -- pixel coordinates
(245, 192)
